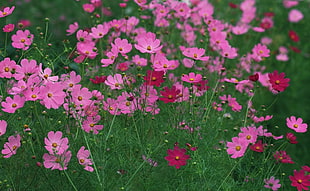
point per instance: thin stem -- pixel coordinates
(72, 184)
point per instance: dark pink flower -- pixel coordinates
(278, 82)
(8, 28)
(282, 157)
(300, 180)
(177, 157)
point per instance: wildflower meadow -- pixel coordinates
(154, 95)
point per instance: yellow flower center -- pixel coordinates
(277, 82)
(148, 48)
(295, 125)
(177, 158)
(14, 105)
(238, 148)
(54, 145)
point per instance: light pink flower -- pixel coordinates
(272, 183)
(11, 146)
(296, 124)
(3, 125)
(11, 105)
(52, 95)
(148, 43)
(295, 16)
(289, 3)
(89, 125)
(22, 39)
(82, 156)
(115, 82)
(89, 8)
(55, 144)
(59, 162)
(195, 53)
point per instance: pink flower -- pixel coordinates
(55, 144)
(11, 146)
(289, 3)
(295, 16)
(7, 11)
(249, 134)
(59, 162)
(296, 125)
(122, 46)
(22, 39)
(89, 125)
(237, 147)
(260, 51)
(11, 105)
(3, 125)
(72, 28)
(8, 28)
(88, 8)
(272, 183)
(115, 82)
(100, 30)
(82, 156)
(195, 53)
(7, 68)
(177, 157)
(28, 68)
(191, 77)
(139, 61)
(52, 95)
(148, 43)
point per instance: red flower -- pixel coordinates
(177, 157)
(154, 78)
(295, 49)
(98, 79)
(170, 95)
(291, 138)
(254, 77)
(300, 180)
(278, 81)
(269, 14)
(232, 5)
(258, 146)
(293, 36)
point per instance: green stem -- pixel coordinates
(72, 184)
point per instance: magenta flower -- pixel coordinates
(295, 16)
(300, 180)
(191, 77)
(8, 28)
(55, 144)
(11, 105)
(296, 124)
(249, 134)
(3, 125)
(148, 43)
(277, 81)
(59, 162)
(82, 156)
(170, 94)
(177, 157)
(237, 147)
(272, 183)
(22, 39)
(11, 146)
(7, 11)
